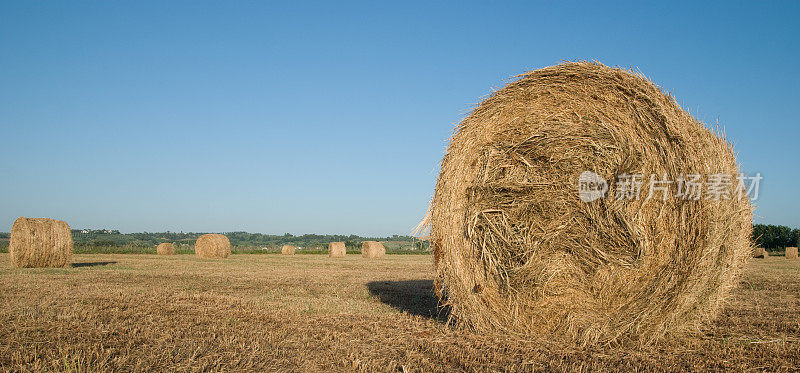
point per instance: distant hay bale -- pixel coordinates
(40, 242)
(212, 246)
(287, 250)
(337, 250)
(165, 248)
(791, 253)
(759, 252)
(517, 249)
(372, 249)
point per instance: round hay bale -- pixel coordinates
(40, 242)
(212, 246)
(518, 250)
(372, 249)
(288, 249)
(165, 248)
(759, 252)
(337, 250)
(791, 253)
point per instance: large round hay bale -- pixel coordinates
(517, 248)
(372, 249)
(212, 246)
(39, 242)
(165, 248)
(337, 250)
(759, 252)
(791, 253)
(287, 250)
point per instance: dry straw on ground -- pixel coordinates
(165, 248)
(337, 250)
(212, 246)
(372, 249)
(517, 250)
(39, 242)
(287, 250)
(791, 253)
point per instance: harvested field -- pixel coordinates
(313, 313)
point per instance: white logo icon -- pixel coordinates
(591, 186)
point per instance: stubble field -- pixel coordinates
(314, 313)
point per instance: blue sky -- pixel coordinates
(332, 117)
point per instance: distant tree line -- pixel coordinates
(775, 236)
(240, 240)
(764, 235)
(95, 231)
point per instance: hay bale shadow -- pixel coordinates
(412, 296)
(92, 264)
